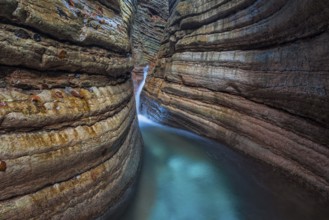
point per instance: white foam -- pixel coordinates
(140, 88)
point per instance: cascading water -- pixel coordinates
(185, 176)
(140, 88)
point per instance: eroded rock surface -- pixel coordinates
(70, 146)
(253, 74)
(148, 32)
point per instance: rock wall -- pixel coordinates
(70, 146)
(148, 31)
(253, 74)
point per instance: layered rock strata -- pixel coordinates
(70, 146)
(148, 31)
(253, 74)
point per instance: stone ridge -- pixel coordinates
(252, 74)
(70, 146)
(81, 22)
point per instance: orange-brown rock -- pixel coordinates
(70, 146)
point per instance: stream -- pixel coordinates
(187, 177)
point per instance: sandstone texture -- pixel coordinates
(253, 74)
(70, 146)
(148, 31)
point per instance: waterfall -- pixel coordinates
(140, 88)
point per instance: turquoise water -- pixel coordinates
(186, 177)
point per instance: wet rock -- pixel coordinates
(251, 73)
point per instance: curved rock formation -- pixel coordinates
(253, 74)
(70, 146)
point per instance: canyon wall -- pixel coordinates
(70, 146)
(253, 74)
(148, 31)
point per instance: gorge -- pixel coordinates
(250, 74)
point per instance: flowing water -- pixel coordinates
(140, 88)
(186, 177)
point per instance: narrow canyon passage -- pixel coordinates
(186, 177)
(251, 75)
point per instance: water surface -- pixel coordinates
(186, 177)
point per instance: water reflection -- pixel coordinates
(186, 177)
